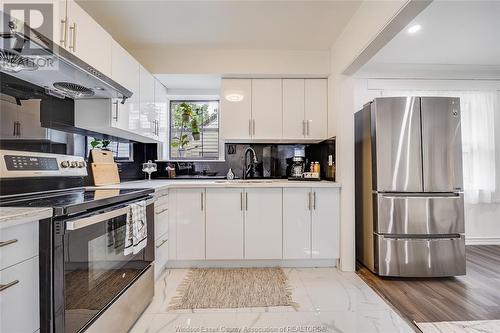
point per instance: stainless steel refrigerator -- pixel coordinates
(409, 187)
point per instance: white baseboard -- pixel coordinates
(482, 240)
(252, 263)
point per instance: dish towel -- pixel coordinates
(136, 234)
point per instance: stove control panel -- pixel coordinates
(29, 164)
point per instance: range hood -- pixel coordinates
(32, 57)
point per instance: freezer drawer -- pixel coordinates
(415, 257)
(417, 214)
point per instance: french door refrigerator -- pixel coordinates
(409, 187)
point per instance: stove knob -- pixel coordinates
(65, 164)
(81, 164)
(74, 164)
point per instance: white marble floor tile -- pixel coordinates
(477, 326)
(329, 301)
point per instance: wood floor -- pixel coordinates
(475, 296)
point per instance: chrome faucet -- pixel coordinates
(249, 166)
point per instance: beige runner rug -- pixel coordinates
(205, 288)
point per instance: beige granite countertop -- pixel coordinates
(10, 216)
(161, 184)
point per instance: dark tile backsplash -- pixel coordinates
(272, 160)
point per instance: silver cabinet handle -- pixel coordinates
(201, 200)
(307, 123)
(162, 242)
(72, 46)
(314, 200)
(253, 127)
(10, 241)
(249, 126)
(64, 32)
(87, 221)
(246, 200)
(241, 201)
(310, 202)
(115, 103)
(8, 285)
(14, 132)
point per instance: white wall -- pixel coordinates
(234, 62)
(373, 25)
(482, 224)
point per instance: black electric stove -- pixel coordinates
(75, 201)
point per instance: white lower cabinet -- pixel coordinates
(296, 223)
(187, 210)
(19, 302)
(263, 223)
(325, 223)
(224, 223)
(310, 223)
(161, 233)
(254, 223)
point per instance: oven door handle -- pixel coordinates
(87, 221)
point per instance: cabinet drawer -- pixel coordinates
(426, 257)
(19, 242)
(161, 255)
(19, 306)
(161, 198)
(398, 214)
(161, 224)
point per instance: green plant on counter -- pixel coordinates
(195, 129)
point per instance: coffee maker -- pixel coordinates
(297, 164)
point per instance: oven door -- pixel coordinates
(95, 268)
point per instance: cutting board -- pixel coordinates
(105, 173)
(102, 156)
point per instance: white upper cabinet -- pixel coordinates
(267, 116)
(86, 38)
(263, 223)
(224, 223)
(316, 108)
(278, 109)
(148, 112)
(125, 71)
(162, 116)
(236, 109)
(293, 109)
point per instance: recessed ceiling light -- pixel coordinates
(414, 28)
(234, 97)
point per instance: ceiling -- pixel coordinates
(453, 34)
(188, 81)
(292, 25)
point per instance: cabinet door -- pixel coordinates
(162, 121)
(148, 110)
(297, 223)
(88, 40)
(316, 108)
(263, 223)
(19, 303)
(224, 232)
(267, 115)
(161, 255)
(8, 117)
(325, 223)
(189, 218)
(125, 71)
(293, 109)
(236, 114)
